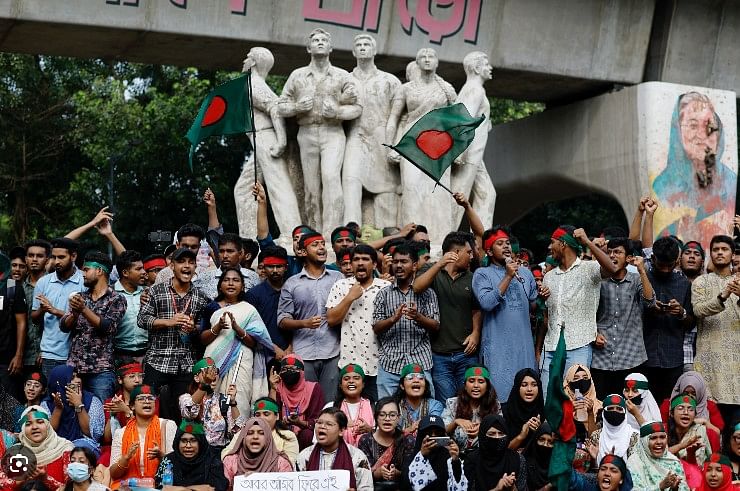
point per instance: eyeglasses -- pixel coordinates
(145, 399)
(189, 441)
(391, 415)
(412, 376)
(30, 384)
(326, 424)
(684, 408)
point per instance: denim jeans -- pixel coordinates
(388, 383)
(448, 373)
(580, 355)
(102, 385)
(47, 365)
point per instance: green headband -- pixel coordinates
(411, 368)
(291, 361)
(203, 364)
(614, 400)
(343, 233)
(636, 384)
(264, 405)
(34, 415)
(140, 389)
(96, 265)
(192, 427)
(650, 428)
(737, 428)
(683, 399)
(718, 458)
(477, 371)
(616, 461)
(352, 368)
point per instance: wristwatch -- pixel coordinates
(78, 409)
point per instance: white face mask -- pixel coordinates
(78, 472)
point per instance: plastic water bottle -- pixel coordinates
(581, 414)
(167, 478)
(138, 482)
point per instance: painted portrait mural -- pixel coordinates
(694, 177)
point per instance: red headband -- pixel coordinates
(499, 234)
(537, 273)
(274, 261)
(346, 257)
(157, 262)
(130, 368)
(559, 233)
(312, 238)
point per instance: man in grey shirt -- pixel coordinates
(302, 309)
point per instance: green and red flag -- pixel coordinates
(438, 138)
(559, 413)
(226, 110)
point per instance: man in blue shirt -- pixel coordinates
(51, 302)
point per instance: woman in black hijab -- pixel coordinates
(538, 454)
(524, 409)
(493, 462)
(432, 463)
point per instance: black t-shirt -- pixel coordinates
(12, 301)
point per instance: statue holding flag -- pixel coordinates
(417, 97)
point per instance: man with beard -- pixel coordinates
(665, 324)
(51, 302)
(302, 309)
(230, 254)
(350, 305)
(266, 296)
(505, 292)
(619, 347)
(93, 321)
(402, 321)
(715, 300)
(37, 255)
(170, 316)
(692, 265)
(130, 341)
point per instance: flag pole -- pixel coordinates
(421, 169)
(254, 130)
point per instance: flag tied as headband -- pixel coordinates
(498, 235)
(96, 265)
(650, 428)
(563, 236)
(352, 368)
(683, 399)
(203, 364)
(636, 384)
(438, 138)
(477, 372)
(32, 415)
(616, 461)
(411, 368)
(291, 361)
(192, 427)
(343, 234)
(225, 111)
(263, 405)
(614, 400)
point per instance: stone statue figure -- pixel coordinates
(365, 164)
(321, 97)
(417, 97)
(270, 146)
(469, 174)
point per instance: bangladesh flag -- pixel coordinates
(226, 111)
(438, 138)
(559, 413)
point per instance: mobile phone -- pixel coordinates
(442, 441)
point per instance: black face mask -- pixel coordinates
(637, 400)
(290, 378)
(497, 445)
(614, 418)
(544, 453)
(583, 385)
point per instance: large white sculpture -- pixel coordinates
(321, 97)
(420, 202)
(469, 174)
(270, 146)
(365, 164)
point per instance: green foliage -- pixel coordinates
(505, 110)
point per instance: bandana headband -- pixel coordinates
(141, 389)
(263, 405)
(346, 257)
(650, 428)
(411, 368)
(291, 361)
(352, 368)
(157, 262)
(614, 400)
(718, 458)
(563, 236)
(343, 234)
(192, 427)
(203, 364)
(683, 399)
(31, 415)
(616, 461)
(301, 231)
(96, 265)
(129, 369)
(312, 238)
(499, 234)
(692, 244)
(274, 261)
(477, 372)
(636, 384)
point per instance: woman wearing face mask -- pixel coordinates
(717, 475)
(731, 448)
(387, 448)
(687, 439)
(434, 467)
(218, 412)
(195, 464)
(537, 454)
(578, 377)
(524, 409)
(707, 413)
(637, 391)
(652, 466)
(254, 451)
(475, 400)
(615, 436)
(415, 398)
(493, 465)
(299, 400)
(358, 409)
(611, 476)
(82, 463)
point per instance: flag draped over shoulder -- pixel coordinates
(559, 413)
(438, 138)
(226, 110)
